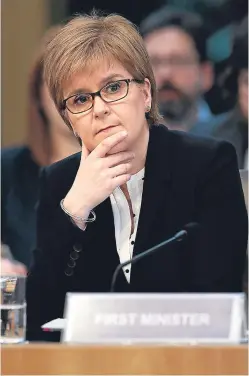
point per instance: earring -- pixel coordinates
(147, 112)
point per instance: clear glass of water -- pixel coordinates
(13, 309)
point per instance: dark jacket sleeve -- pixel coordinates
(46, 283)
(219, 253)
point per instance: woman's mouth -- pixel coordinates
(106, 129)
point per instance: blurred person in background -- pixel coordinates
(48, 141)
(176, 43)
(235, 128)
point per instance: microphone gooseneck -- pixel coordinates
(179, 236)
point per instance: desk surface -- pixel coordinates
(52, 359)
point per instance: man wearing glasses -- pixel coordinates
(177, 45)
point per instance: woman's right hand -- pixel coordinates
(98, 175)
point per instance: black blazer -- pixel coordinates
(186, 179)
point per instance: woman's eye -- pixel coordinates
(80, 99)
(113, 88)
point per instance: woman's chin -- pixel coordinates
(121, 146)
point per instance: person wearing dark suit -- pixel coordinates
(134, 184)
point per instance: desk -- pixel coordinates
(61, 359)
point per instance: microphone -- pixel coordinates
(178, 237)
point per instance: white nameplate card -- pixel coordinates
(153, 318)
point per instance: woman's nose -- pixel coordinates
(100, 107)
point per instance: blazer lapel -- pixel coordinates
(156, 187)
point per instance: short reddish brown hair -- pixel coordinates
(87, 40)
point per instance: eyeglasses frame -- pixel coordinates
(98, 94)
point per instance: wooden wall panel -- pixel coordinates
(23, 24)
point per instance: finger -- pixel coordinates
(120, 180)
(115, 159)
(108, 143)
(121, 169)
(84, 152)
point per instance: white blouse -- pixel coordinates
(122, 220)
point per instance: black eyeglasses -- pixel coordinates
(111, 92)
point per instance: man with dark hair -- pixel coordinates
(235, 128)
(176, 43)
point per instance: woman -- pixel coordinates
(49, 140)
(134, 185)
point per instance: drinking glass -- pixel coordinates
(13, 309)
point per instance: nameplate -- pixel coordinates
(153, 318)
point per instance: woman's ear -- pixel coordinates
(147, 93)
